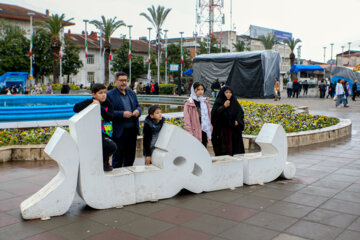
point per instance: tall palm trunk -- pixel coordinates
(55, 50)
(292, 62)
(107, 47)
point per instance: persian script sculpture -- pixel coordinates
(179, 161)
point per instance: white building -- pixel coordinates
(93, 66)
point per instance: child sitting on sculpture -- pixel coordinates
(107, 111)
(152, 126)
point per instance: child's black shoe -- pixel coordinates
(108, 168)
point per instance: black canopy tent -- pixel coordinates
(250, 74)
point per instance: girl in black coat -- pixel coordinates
(227, 118)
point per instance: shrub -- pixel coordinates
(74, 87)
(166, 89)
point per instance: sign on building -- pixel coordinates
(256, 32)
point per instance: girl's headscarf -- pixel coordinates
(205, 120)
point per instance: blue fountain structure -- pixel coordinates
(42, 107)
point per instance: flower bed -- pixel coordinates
(256, 114)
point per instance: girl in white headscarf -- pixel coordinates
(197, 114)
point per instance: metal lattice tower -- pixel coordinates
(209, 13)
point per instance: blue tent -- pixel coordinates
(306, 68)
(13, 78)
(188, 72)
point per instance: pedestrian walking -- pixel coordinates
(289, 88)
(296, 88)
(340, 93)
(277, 89)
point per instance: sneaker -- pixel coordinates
(108, 168)
(346, 106)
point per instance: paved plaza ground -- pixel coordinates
(321, 202)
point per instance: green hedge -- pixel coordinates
(166, 89)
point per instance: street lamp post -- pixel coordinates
(86, 47)
(149, 59)
(349, 52)
(181, 63)
(130, 26)
(158, 53)
(195, 36)
(342, 55)
(31, 43)
(208, 43)
(166, 56)
(332, 45)
(299, 56)
(324, 54)
(61, 54)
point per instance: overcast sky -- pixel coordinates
(316, 22)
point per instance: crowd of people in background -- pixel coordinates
(294, 88)
(340, 92)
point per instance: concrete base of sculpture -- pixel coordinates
(179, 161)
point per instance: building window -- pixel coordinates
(90, 59)
(91, 77)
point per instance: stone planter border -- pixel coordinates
(342, 129)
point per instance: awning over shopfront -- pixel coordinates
(306, 68)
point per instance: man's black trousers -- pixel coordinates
(126, 148)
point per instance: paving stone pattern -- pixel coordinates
(321, 202)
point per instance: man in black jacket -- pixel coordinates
(215, 88)
(126, 121)
(107, 111)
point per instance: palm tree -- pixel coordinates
(107, 27)
(157, 18)
(292, 42)
(54, 25)
(240, 46)
(268, 41)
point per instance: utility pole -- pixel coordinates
(130, 26)
(332, 45)
(349, 52)
(342, 55)
(324, 54)
(149, 59)
(166, 56)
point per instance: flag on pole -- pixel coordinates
(86, 47)
(110, 57)
(61, 54)
(31, 46)
(149, 58)
(129, 57)
(182, 57)
(166, 59)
